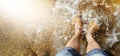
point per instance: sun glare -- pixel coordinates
(23, 10)
(15, 7)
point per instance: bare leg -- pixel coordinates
(75, 40)
(92, 28)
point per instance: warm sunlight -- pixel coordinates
(24, 10)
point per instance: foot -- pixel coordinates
(93, 26)
(78, 25)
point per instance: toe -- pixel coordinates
(78, 20)
(78, 25)
(93, 26)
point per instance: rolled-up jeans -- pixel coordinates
(72, 52)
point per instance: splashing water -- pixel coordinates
(89, 9)
(41, 36)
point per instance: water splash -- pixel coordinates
(66, 9)
(43, 37)
(90, 9)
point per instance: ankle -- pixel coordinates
(78, 34)
(89, 37)
(89, 34)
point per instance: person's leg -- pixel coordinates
(92, 28)
(93, 48)
(92, 44)
(75, 40)
(73, 46)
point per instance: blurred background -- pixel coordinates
(43, 27)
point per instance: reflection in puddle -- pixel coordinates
(38, 32)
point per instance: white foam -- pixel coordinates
(112, 39)
(67, 9)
